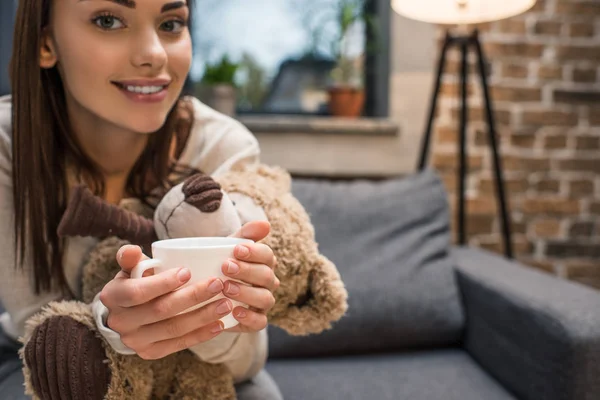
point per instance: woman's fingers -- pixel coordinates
(257, 297)
(124, 293)
(164, 348)
(249, 320)
(252, 274)
(253, 230)
(258, 253)
(164, 307)
(129, 256)
(179, 325)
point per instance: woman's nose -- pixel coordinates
(148, 51)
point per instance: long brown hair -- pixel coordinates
(43, 143)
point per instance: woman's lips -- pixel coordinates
(146, 91)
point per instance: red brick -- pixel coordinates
(446, 135)
(571, 96)
(449, 161)
(585, 75)
(550, 72)
(581, 29)
(454, 89)
(571, 248)
(555, 142)
(554, 206)
(595, 116)
(511, 25)
(476, 114)
(547, 185)
(487, 186)
(547, 27)
(527, 164)
(550, 117)
(523, 140)
(520, 94)
(578, 53)
(587, 143)
(547, 228)
(523, 49)
(580, 165)
(515, 70)
(583, 229)
(588, 8)
(479, 224)
(581, 188)
(585, 272)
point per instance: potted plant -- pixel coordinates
(217, 87)
(346, 94)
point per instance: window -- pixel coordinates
(285, 52)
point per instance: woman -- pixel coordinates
(96, 88)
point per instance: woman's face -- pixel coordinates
(122, 61)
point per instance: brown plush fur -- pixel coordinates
(310, 298)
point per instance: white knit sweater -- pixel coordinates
(216, 143)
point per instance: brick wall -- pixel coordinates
(545, 70)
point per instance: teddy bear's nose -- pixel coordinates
(202, 192)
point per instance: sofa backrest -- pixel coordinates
(390, 241)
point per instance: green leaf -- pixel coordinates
(222, 72)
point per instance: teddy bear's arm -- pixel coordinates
(89, 215)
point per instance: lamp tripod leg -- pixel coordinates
(500, 192)
(462, 171)
(438, 82)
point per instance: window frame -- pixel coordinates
(377, 66)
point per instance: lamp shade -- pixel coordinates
(460, 11)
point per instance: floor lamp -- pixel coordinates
(465, 14)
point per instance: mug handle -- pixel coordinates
(143, 266)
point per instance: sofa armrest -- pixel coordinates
(538, 335)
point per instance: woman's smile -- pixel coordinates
(144, 90)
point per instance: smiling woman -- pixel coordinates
(97, 100)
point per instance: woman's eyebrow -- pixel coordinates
(172, 6)
(126, 3)
(167, 7)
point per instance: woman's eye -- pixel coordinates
(108, 22)
(173, 26)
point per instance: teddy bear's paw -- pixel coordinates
(65, 359)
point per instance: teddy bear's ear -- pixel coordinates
(324, 301)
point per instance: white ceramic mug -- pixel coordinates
(203, 256)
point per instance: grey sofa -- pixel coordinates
(428, 320)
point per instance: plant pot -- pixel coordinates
(221, 97)
(346, 101)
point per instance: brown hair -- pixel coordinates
(43, 143)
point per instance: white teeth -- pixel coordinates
(144, 89)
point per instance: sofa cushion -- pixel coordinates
(390, 242)
(447, 374)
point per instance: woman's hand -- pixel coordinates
(144, 311)
(253, 264)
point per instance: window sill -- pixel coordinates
(319, 125)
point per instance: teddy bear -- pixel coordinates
(310, 298)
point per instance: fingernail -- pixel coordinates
(233, 288)
(217, 328)
(243, 251)
(232, 268)
(224, 307)
(183, 275)
(241, 314)
(216, 286)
